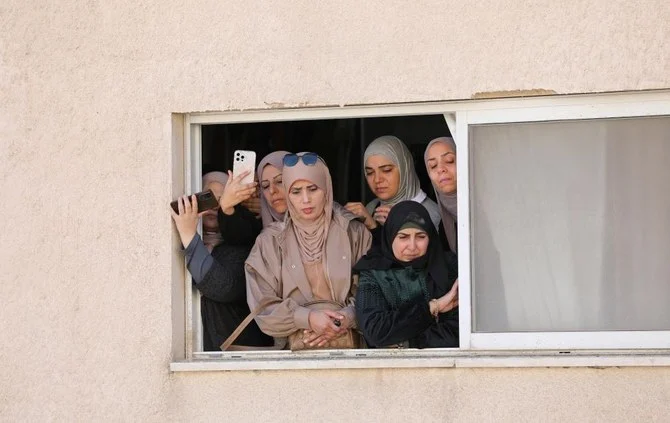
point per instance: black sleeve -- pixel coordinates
(225, 281)
(382, 325)
(240, 228)
(377, 234)
(441, 334)
(452, 265)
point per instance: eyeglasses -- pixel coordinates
(308, 159)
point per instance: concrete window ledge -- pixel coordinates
(409, 358)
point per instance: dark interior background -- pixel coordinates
(341, 143)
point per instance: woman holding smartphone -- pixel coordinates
(217, 266)
(238, 224)
(390, 174)
(306, 257)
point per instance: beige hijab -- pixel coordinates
(446, 202)
(268, 214)
(311, 236)
(213, 238)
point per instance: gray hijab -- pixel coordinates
(395, 150)
(446, 202)
(276, 159)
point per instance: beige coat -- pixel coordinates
(274, 270)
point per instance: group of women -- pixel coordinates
(315, 274)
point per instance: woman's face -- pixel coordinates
(308, 199)
(441, 166)
(410, 244)
(383, 177)
(209, 220)
(273, 189)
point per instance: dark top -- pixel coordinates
(392, 308)
(392, 302)
(443, 237)
(220, 278)
(240, 228)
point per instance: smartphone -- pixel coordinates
(244, 160)
(206, 201)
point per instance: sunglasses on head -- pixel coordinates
(308, 159)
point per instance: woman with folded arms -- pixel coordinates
(306, 257)
(408, 290)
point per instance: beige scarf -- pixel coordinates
(311, 235)
(446, 201)
(268, 214)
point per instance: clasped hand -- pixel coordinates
(323, 327)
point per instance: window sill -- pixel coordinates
(412, 358)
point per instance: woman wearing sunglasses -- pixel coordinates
(216, 262)
(389, 171)
(440, 159)
(408, 291)
(305, 258)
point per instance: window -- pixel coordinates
(564, 233)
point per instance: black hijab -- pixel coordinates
(380, 257)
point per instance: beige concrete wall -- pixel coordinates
(87, 90)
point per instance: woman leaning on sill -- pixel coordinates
(408, 288)
(308, 256)
(216, 262)
(390, 174)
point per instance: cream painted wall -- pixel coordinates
(87, 90)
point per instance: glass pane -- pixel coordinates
(571, 225)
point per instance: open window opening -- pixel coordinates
(341, 143)
(562, 221)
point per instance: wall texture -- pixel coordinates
(87, 89)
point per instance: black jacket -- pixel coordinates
(223, 302)
(392, 308)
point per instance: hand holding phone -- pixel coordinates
(205, 200)
(236, 192)
(185, 217)
(244, 161)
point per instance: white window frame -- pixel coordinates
(476, 349)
